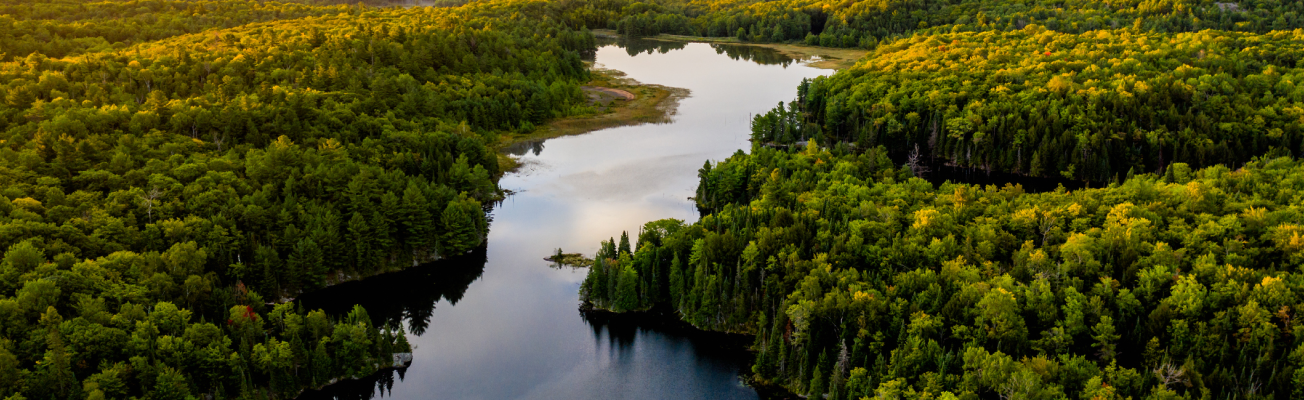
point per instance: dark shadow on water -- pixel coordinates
(636, 46)
(377, 385)
(621, 331)
(759, 55)
(522, 148)
(406, 296)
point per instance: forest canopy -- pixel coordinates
(1175, 277)
(863, 23)
(1094, 106)
(860, 280)
(172, 173)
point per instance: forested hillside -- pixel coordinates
(863, 23)
(1094, 106)
(860, 280)
(60, 28)
(1084, 90)
(1174, 278)
(170, 170)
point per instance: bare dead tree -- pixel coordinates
(1048, 223)
(147, 200)
(1016, 385)
(1253, 388)
(844, 359)
(1169, 375)
(840, 368)
(915, 164)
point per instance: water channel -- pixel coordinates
(501, 324)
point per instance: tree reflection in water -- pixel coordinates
(406, 297)
(759, 55)
(621, 330)
(646, 46)
(756, 54)
(379, 384)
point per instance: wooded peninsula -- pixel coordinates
(174, 173)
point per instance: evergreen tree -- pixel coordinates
(416, 219)
(360, 232)
(627, 291)
(624, 243)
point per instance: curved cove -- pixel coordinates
(499, 323)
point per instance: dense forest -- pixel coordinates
(171, 172)
(1174, 277)
(859, 279)
(1094, 106)
(61, 28)
(864, 23)
(174, 173)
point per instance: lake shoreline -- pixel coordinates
(652, 103)
(833, 58)
(502, 324)
(667, 321)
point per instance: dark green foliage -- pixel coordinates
(62, 28)
(863, 23)
(859, 280)
(168, 168)
(1089, 106)
(624, 243)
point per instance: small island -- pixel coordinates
(573, 260)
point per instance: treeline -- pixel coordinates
(201, 176)
(864, 23)
(274, 142)
(61, 28)
(161, 351)
(1095, 106)
(860, 280)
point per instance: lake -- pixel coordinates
(500, 323)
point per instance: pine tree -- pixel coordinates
(56, 366)
(817, 384)
(416, 221)
(269, 263)
(596, 282)
(624, 243)
(676, 283)
(627, 291)
(461, 228)
(307, 260)
(321, 364)
(402, 345)
(361, 235)
(1035, 168)
(381, 231)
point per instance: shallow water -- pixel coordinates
(501, 324)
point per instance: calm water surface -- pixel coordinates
(501, 324)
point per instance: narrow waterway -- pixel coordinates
(501, 324)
